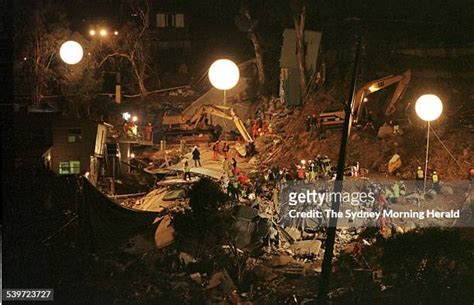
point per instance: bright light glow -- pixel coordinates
(134, 118)
(365, 100)
(303, 162)
(103, 32)
(428, 107)
(373, 88)
(126, 116)
(224, 74)
(87, 174)
(132, 155)
(71, 52)
(116, 33)
(92, 32)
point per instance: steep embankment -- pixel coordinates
(291, 143)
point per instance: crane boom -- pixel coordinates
(379, 84)
(220, 111)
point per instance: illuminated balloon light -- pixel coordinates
(429, 107)
(71, 52)
(224, 74)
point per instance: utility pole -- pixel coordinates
(118, 88)
(338, 185)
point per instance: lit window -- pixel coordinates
(64, 168)
(71, 167)
(169, 20)
(75, 167)
(160, 21)
(179, 20)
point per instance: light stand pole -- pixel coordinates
(427, 157)
(224, 75)
(338, 186)
(428, 107)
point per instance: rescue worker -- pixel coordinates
(224, 181)
(396, 128)
(312, 171)
(196, 156)
(283, 174)
(225, 150)
(225, 167)
(187, 171)
(215, 151)
(314, 122)
(420, 177)
(234, 167)
(148, 132)
(255, 130)
(308, 124)
(317, 164)
(277, 172)
(300, 173)
(355, 169)
(266, 176)
(403, 188)
(132, 130)
(436, 182)
(231, 190)
(369, 126)
(395, 193)
(126, 127)
(236, 187)
(326, 166)
(243, 179)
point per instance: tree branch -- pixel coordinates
(116, 54)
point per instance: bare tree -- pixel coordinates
(41, 29)
(132, 44)
(247, 23)
(80, 83)
(299, 19)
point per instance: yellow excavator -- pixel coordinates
(336, 119)
(199, 122)
(222, 112)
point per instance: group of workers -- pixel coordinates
(420, 180)
(216, 150)
(312, 123)
(130, 130)
(196, 154)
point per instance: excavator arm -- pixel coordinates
(379, 84)
(220, 111)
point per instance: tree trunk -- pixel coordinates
(257, 48)
(259, 59)
(139, 75)
(37, 70)
(299, 21)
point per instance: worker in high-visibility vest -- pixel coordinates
(403, 188)
(436, 182)
(420, 177)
